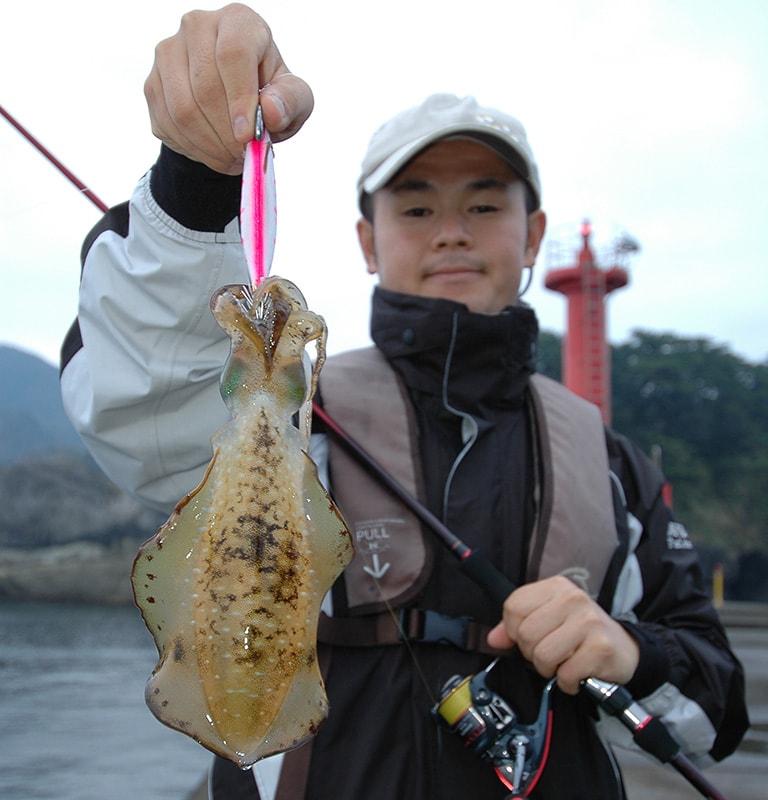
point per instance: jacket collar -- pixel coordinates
(483, 360)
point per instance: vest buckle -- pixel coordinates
(423, 625)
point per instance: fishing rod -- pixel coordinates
(649, 732)
(82, 188)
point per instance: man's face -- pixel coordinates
(453, 224)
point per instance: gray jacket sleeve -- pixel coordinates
(142, 387)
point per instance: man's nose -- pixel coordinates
(452, 231)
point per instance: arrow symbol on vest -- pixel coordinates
(377, 571)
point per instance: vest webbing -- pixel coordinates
(576, 528)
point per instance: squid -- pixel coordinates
(231, 585)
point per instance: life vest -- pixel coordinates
(575, 530)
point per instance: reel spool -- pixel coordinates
(491, 730)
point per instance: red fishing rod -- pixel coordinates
(82, 188)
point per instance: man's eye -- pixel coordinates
(417, 212)
(484, 208)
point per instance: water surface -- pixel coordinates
(74, 724)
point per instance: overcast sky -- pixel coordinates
(649, 117)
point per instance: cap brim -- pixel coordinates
(388, 168)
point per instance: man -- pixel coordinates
(451, 204)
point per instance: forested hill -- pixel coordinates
(705, 411)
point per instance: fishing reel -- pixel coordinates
(491, 729)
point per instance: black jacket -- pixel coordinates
(381, 741)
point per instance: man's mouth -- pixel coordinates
(453, 270)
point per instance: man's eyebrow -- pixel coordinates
(492, 183)
(410, 185)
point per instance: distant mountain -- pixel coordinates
(67, 533)
(32, 418)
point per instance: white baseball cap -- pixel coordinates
(440, 116)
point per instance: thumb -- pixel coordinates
(498, 638)
(287, 102)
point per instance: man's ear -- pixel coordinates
(537, 225)
(365, 237)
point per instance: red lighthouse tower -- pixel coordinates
(586, 363)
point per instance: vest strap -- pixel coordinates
(392, 560)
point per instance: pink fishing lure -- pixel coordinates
(258, 209)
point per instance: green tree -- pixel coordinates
(707, 410)
(549, 358)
